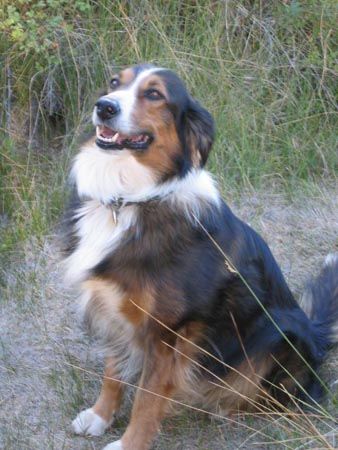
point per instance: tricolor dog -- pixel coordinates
(187, 300)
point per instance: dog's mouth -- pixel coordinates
(109, 139)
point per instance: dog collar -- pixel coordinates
(116, 204)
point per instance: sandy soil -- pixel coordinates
(48, 372)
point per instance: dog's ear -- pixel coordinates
(199, 132)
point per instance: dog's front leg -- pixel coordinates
(94, 421)
(156, 387)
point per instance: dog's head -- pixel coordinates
(149, 112)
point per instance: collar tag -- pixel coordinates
(114, 214)
(114, 206)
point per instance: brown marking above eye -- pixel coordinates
(127, 76)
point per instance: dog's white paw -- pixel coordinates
(117, 445)
(89, 423)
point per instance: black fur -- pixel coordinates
(67, 227)
(194, 124)
(199, 130)
(166, 250)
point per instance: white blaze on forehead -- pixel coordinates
(127, 98)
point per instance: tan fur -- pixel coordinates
(109, 306)
(110, 396)
(155, 117)
(134, 314)
(166, 372)
(149, 409)
(126, 76)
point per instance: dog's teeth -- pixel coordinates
(115, 137)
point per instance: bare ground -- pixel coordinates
(48, 372)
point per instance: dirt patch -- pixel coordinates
(43, 351)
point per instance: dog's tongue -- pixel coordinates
(107, 132)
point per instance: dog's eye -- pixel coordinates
(153, 94)
(114, 83)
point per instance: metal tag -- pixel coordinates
(114, 213)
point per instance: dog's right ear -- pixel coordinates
(199, 132)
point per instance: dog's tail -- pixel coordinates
(320, 304)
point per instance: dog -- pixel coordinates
(186, 300)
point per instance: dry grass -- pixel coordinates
(49, 372)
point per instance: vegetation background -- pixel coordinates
(267, 70)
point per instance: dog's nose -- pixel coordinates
(106, 108)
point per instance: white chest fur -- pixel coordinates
(105, 175)
(98, 235)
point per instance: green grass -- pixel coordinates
(32, 190)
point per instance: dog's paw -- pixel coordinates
(89, 423)
(117, 445)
